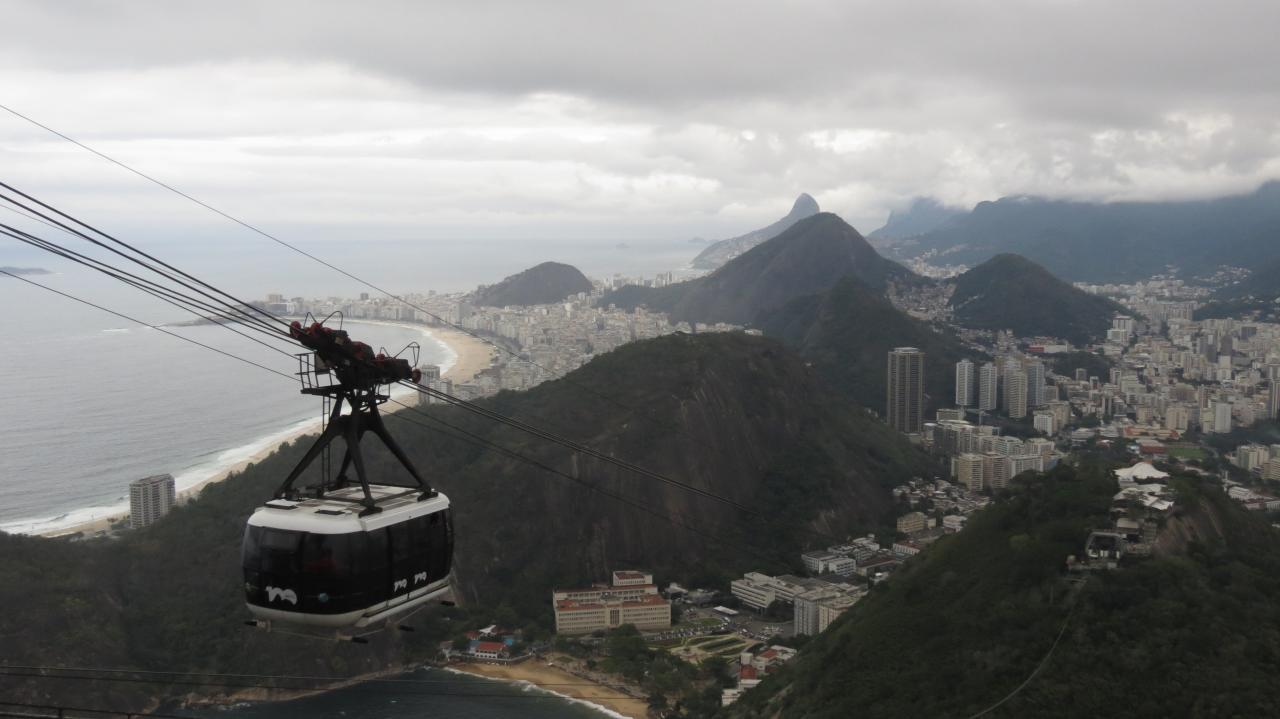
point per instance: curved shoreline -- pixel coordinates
(537, 674)
(468, 356)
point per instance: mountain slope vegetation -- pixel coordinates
(847, 332)
(721, 252)
(539, 285)
(1011, 292)
(1192, 631)
(808, 258)
(733, 414)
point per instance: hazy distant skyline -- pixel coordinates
(502, 120)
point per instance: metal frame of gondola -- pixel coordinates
(340, 382)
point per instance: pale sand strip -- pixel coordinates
(557, 680)
(473, 355)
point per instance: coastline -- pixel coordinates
(469, 357)
(550, 677)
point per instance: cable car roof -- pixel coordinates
(339, 513)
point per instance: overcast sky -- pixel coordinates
(555, 119)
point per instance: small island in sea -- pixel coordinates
(24, 271)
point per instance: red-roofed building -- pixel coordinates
(489, 650)
(633, 599)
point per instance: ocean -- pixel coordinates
(91, 401)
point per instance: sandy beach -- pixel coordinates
(471, 356)
(557, 680)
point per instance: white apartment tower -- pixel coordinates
(965, 376)
(1016, 394)
(150, 499)
(988, 386)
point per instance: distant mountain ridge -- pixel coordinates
(1011, 292)
(924, 214)
(807, 258)
(721, 252)
(1118, 241)
(539, 285)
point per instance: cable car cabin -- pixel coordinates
(319, 563)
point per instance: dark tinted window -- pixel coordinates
(401, 542)
(329, 554)
(276, 550)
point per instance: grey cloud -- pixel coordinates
(701, 112)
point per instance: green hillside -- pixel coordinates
(737, 415)
(847, 333)
(1194, 631)
(1011, 292)
(539, 285)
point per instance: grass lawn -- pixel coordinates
(1186, 452)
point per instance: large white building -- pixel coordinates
(150, 498)
(1015, 395)
(988, 386)
(966, 376)
(816, 609)
(632, 599)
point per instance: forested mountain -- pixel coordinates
(808, 258)
(737, 415)
(924, 214)
(1193, 631)
(847, 332)
(1118, 241)
(1256, 296)
(539, 285)
(1263, 284)
(1011, 292)
(721, 252)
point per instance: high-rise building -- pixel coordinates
(988, 386)
(969, 471)
(1222, 417)
(906, 390)
(1035, 383)
(965, 376)
(1016, 394)
(150, 498)
(1273, 399)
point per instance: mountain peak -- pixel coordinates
(1012, 292)
(718, 253)
(804, 206)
